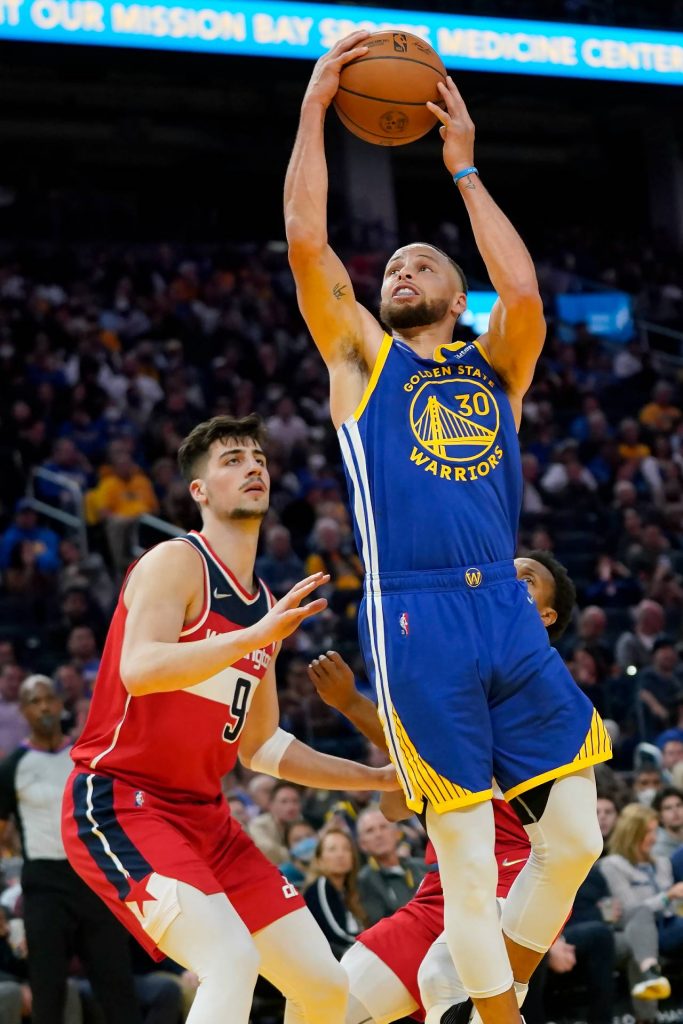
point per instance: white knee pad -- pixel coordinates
(464, 842)
(565, 843)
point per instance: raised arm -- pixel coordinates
(346, 334)
(335, 684)
(165, 591)
(293, 760)
(517, 328)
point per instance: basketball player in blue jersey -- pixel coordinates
(468, 685)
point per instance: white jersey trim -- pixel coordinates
(207, 593)
(351, 444)
(96, 760)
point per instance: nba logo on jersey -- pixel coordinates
(139, 798)
(403, 623)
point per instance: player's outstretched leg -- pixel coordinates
(210, 939)
(297, 959)
(562, 824)
(464, 843)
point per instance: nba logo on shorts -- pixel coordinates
(139, 798)
(403, 623)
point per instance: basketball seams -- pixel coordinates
(383, 99)
(393, 56)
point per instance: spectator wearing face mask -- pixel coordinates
(301, 840)
(646, 783)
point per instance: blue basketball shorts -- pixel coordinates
(469, 688)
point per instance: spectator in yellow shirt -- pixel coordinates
(661, 415)
(120, 498)
(631, 446)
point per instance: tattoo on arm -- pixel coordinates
(339, 290)
(470, 182)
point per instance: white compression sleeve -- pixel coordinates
(268, 756)
(440, 986)
(376, 994)
(464, 842)
(565, 842)
(209, 938)
(296, 958)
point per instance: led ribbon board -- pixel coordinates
(283, 29)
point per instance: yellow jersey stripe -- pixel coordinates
(597, 747)
(374, 377)
(482, 352)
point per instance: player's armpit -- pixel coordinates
(343, 331)
(514, 341)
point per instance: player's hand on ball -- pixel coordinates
(325, 78)
(333, 679)
(288, 614)
(457, 128)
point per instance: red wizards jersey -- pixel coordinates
(180, 743)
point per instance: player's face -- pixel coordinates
(235, 483)
(420, 288)
(541, 586)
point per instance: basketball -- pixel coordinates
(382, 94)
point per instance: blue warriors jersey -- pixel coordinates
(432, 461)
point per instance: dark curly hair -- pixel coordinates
(564, 598)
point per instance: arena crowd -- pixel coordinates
(108, 357)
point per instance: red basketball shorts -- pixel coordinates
(133, 849)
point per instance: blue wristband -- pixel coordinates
(463, 174)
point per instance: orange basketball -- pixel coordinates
(382, 95)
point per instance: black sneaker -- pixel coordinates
(652, 985)
(458, 1014)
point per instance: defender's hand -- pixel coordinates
(457, 128)
(286, 616)
(325, 78)
(333, 679)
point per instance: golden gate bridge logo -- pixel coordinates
(458, 423)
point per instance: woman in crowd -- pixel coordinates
(332, 895)
(643, 910)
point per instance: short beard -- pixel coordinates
(247, 513)
(421, 314)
